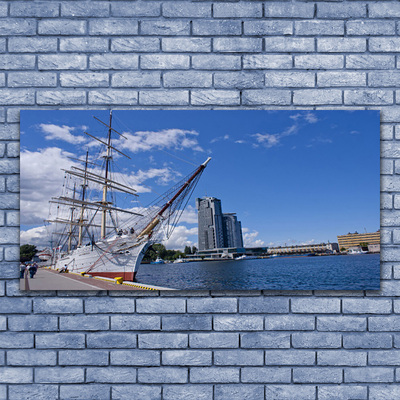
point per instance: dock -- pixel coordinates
(47, 279)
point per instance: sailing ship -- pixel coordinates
(92, 239)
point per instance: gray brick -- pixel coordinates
(214, 97)
(84, 9)
(89, 391)
(368, 97)
(320, 96)
(83, 357)
(186, 357)
(261, 375)
(265, 340)
(368, 374)
(18, 306)
(341, 45)
(19, 26)
(32, 323)
(111, 26)
(384, 357)
(386, 323)
(84, 323)
(217, 62)
(129, 9)
(61, 27)
(163, 340)
(312, 28)
(16, 375)
(179, 392)
(163, 375)
(288, 10)
(342, 392)
(32, 45)
(217, 27)
(319, 340)
(127, 392)
(317, 375)
(289, 79)
(64, 97)
(110, 96)
(164, 61)
(342, 78)
(290, 323)
(290, 357)
(365, 27)
(212, 305)
(194, 45)
(269, 27)
(135, 357)
(60, 341)
(214, 340)
(369, 61)
(382, 10)
(6, 166)
(87, 45)
(107, 305)
(339, 11)
(114, 61)
(60, 375)
(110, 340)
(367, 341)
(135, 322)
(272, 96)
(31, 357)
(214, 375)
(84, 79)
(388, 216)
(382, 392)
(290, 392)
(12, 253)
(61, 61)
(384, 44)
(288, 44)
(341, 323)
(263, 305)
(186, 79)
(3, 323)
(238, 357)
(237, 10)
(366, 306)
(34, 79)
(177, 97)
(320, 61)
(110, 375)
(325, 306)
(165, 28)
(13, 61)
(242, 323)
(237, 45)
(11, 131)
(55, 306)
(16, 340)
(3, 9)
(36, 9)
(342, 358)
(135, 44)
(32, 392)
(234, 392)
(181, 9)
(187, 323)
(384, 78)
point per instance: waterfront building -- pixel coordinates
(215, 229)
(354, 239)
(305, 248)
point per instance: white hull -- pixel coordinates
(116, 257)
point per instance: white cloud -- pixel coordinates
(181, 237)
(217, 139)
(189, 215)
(36, 236)
(250, 238)
(270, 140)
(56, 132)
(309, 117)
(177, 139)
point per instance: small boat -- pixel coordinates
(158, 261)
(179, 260)
(244, 257)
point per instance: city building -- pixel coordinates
(305, 248)
(354, 239)
(215, 229)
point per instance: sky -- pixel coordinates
(292, 177)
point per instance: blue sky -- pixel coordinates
(291, 176)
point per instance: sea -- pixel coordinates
(336, 272)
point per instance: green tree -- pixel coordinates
(26, 252)
(187, 250)
(194, 250)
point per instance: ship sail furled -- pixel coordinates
(122, 242)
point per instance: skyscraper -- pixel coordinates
(215, 229)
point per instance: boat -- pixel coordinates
(44, 255)
(180, 260)
(92, 240)
(158, 261)
(244, 257)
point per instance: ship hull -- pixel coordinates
(116, 257)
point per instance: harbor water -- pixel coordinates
(352, 272)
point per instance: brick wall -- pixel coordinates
(200, 345)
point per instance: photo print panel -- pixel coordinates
(193, 200)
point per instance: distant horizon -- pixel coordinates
(294, 177)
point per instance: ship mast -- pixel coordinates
(80, 231)
(104, 200)
(71, 226)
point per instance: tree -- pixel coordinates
(26, 252)
(194, 250)
(187, 250)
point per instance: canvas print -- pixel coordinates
(200, 200)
